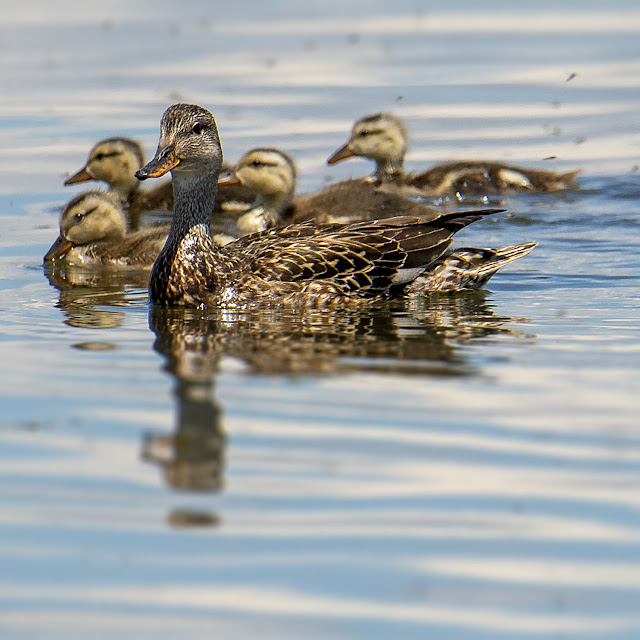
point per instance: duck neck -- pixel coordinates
(274, 204)
(389, 167)
(184, 273)
(195, 200)
(125, 188)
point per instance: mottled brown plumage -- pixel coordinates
(466, 268)
(383, 138)
(305, 264)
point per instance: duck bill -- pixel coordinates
(228, 178)
(341, 154)
(58, 249)
(164, 160)
(80, 176)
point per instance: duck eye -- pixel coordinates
(256, 163)
(197, 128)
(78, 217)
(363, 133)
(99, 156)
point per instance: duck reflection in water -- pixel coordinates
(386, 339)
(194, 342)
(399, 337)
(95, 298)
(193, 457)
(319, 342)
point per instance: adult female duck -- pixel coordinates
(303, 264)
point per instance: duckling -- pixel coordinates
(271, 174)
(93, 232)
(303, 264)
(383, 138)
(115, 161)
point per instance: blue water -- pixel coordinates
(463, 468)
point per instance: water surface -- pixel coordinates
(462, 468)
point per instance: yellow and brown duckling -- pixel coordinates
(272, 175)
(115, 161)
(383, 138)
(303, 264)
(93, 232)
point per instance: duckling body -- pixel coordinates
(305, 264)
(115, 161)
(93, 233)
(486, 177)
(271, 174)
(383, 138)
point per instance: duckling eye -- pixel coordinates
(256, 163)
(78, 217)
(197, 128)
(99, 156)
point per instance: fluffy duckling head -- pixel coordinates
(380, 137)
(114, 161)
(271, 173)
(90, 217)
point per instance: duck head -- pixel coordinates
(91, 217)
(114, 161)
(189, 145)
(269, 172)
(380, 137)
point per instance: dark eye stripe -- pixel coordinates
(262, 163)
(79, 216)
(368, 132)
(102, 156)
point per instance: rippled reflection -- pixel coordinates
(417, 338)
(193, 457)
(94, 298)
(193, 342)
(396, 337)
(401, 336)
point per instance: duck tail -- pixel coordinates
(568, 179)
(467, 268)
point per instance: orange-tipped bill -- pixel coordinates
(164, 160)
(58, 249)
(228, 178)
(80, 176)
(341, 154)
